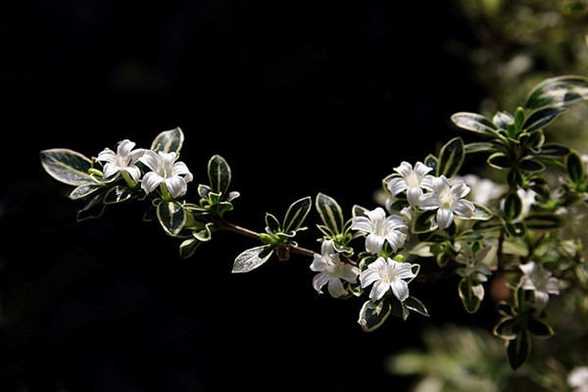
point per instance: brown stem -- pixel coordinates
(252, 234)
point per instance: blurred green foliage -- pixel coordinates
(521, 42)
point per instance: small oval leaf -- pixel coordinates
(330, 213)
(474, 122)
(219, 174)
(171, 216)
(297, 213)
(169, 141)
(372, 315)
(67, 166)
(251, 259)
(451, 157)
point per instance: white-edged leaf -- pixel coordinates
(93, 209)
(83, 190)
(330, 212)
(171, 216)
(67, 166)
(219, 174)
(117, 194)
(272, 224)
(169, 141)
(297, 213)
(251, 259)
(372, 315)
(188, 247)
(474, 122)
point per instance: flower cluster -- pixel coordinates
(469, 227)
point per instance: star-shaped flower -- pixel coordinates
(539, 280)
(165, 169)
(409, 180)
(123, 160)
(387, 274)
(448, 199)
(331, 271)
(380, 229)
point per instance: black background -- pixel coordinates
(299, 96)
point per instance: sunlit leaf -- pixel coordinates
(67, 166)
(297, 213)
(219, 174)
(373, 314)
(251, 259)
(169, 141)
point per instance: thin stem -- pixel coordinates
(252, 234)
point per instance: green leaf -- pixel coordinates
(503, 120)
(507, 328)
(117, 194)
(424, 223)
(539, 328)
(188, 247)
(475, 123)
(272, 224)
(541, 118)
(93, 209)
(297, 213)
(251, 259)
(330, 213)
(171, 216)
(451, 157)
(219, 174)
(471, 295)
(554, 150)
(575, 168)
(202, 231)
(373, 314)
(432, 162)
(417, 306)
(472, 148)
(531, 165)
(518, 349)
(499, 161)
(513, 205)
(83, 191)
(561, 92)
(67, 166)
(481, 213)
(543, 221)
(169, 141)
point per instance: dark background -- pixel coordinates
(299, 96)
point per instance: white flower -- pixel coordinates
(380, 229)
(538, 279)
(387, 274)
(413, 181)
(578, 379)
(483, 189)
(448, 199)
(123, 160)
(331, 270)
(165, 169)
(528, 199)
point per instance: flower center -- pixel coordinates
(446, 198)
(412, 180)
(388, 275)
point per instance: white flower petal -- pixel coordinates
(110, 169)
(349, 273)
(374, 243)
(376, 215)
(421, 169)
(404, 169)
(396, 240)
(397, 185)
(319, 281)
(379, 264)
(134, 172)
(379, 289)
(180, 168)
(176, 186)
(361, 223)
(107, 155)
(151, 159)
(318, 263)
(414, 195)
(429, 202)
(124, 147)
(368, 277)
(404, 271)
(151, 181)
(400, 289)
(464, 208)
(336, 288)
(444, 217)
